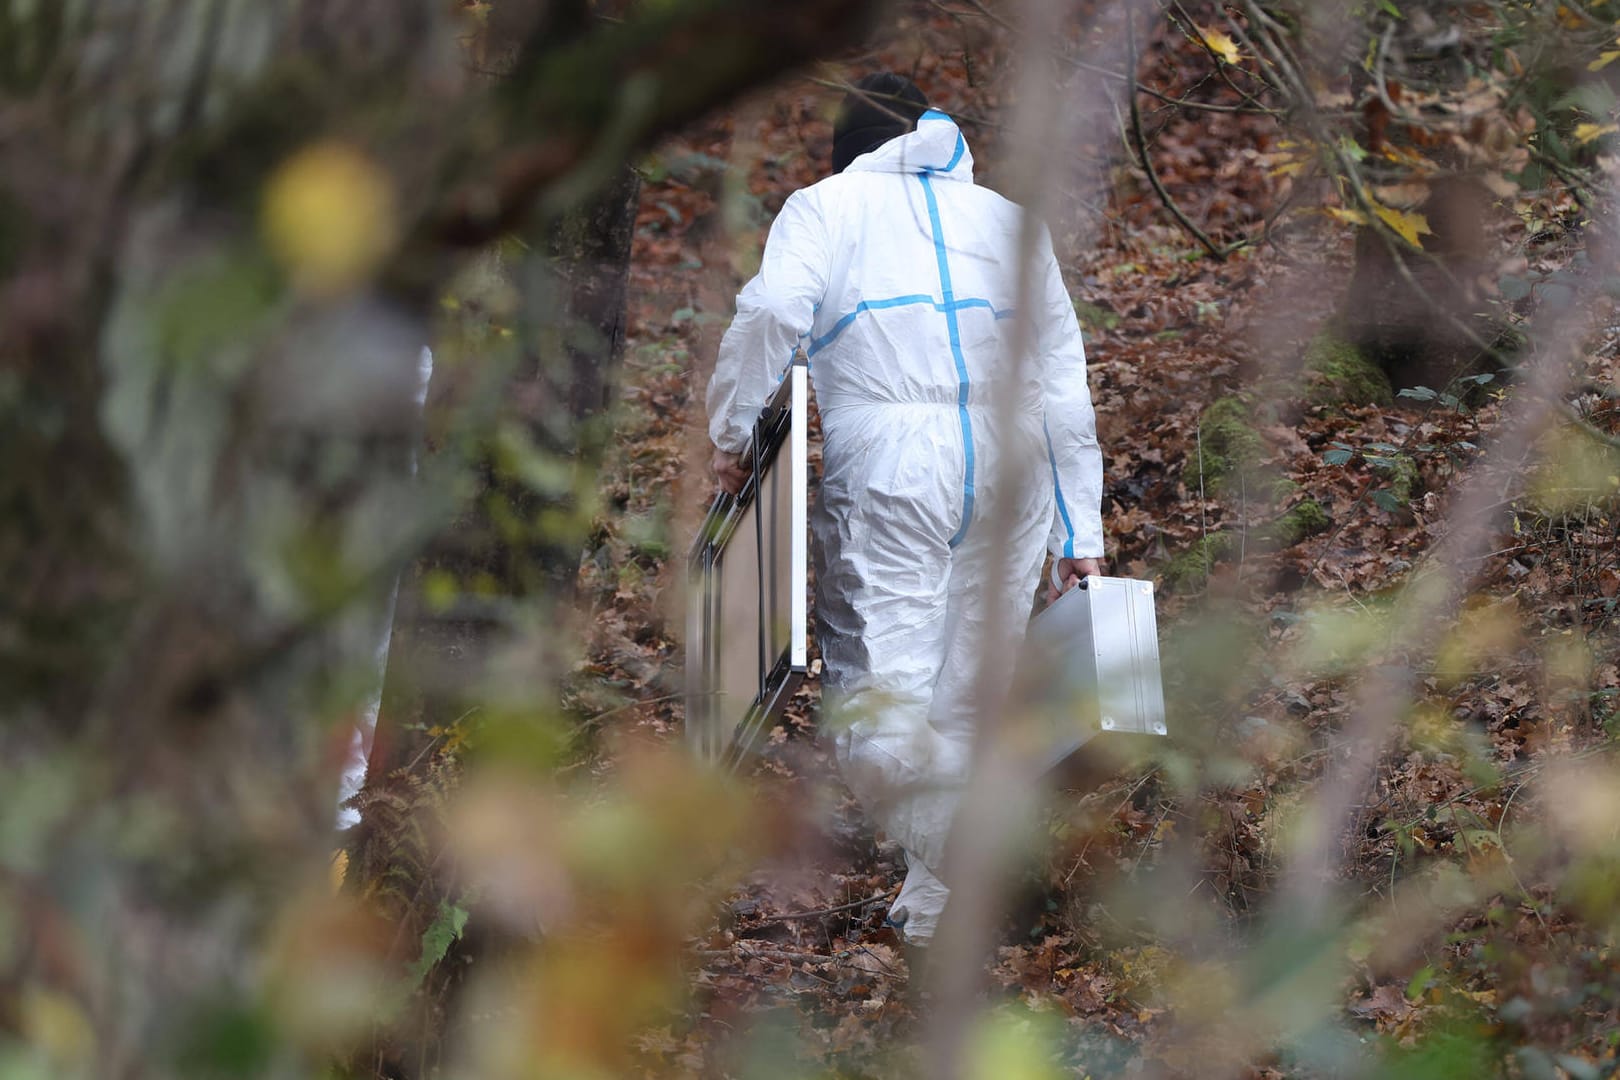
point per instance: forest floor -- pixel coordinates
(798, 967)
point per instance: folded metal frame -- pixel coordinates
(748, 620)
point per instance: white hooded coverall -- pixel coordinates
(898, 277)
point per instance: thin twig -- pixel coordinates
(1251, 103)
(1203, 505)
(784, 956)
(880, 100)
(793, 916)
(1170, 204)
(780, 955)
(1095, 69)
(627, 706)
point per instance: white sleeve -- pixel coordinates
(1071, 425)
(774, 311)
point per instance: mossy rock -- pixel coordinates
(1305, 518)
(1192, 567)
(1228, 445)
(1336, 373)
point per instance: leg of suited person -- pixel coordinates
(989, 593)
(884, 524)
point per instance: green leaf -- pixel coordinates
(1418, 393)
(1420, 981)
(437, 939)
(1096, 318)
(1577, 1068)
(1338, 457)
(1595, 98)
(1386, 500)
(1557, 294)
(1513, 288)
(1388, 6)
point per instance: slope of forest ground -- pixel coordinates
(1261, 613)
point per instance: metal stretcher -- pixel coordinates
(748, 619)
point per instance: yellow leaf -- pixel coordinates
(1585, 133)
(329, 216)
(1403, 156)
(1220, 44)
(1289, 168)
(1409, 225)
(56, 1026)
(339, 870)
(1354, 217)
(1604, 59)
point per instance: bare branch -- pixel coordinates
(1146, 159)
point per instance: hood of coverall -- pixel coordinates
(936, 147)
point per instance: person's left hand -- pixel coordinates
(1070, 571)
(731, 470)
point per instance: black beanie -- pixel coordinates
(880, 107)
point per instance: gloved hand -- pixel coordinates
(1069, 572)
(731, 470)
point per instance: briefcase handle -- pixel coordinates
(1056, 584)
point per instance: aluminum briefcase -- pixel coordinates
(1091, 668)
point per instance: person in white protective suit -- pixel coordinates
(898, 278)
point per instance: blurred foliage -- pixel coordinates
(227, 232)
(228, 228)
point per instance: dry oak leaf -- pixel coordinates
(1219, 43)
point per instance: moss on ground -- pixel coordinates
(1192, 567)
(1281, 490)
(1305, 518)
(1228, 445)
(1336, 373)
(1096, 318)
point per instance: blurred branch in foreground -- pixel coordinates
(225, 232)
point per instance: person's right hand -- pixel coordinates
(731, 470)
(1069, 572)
